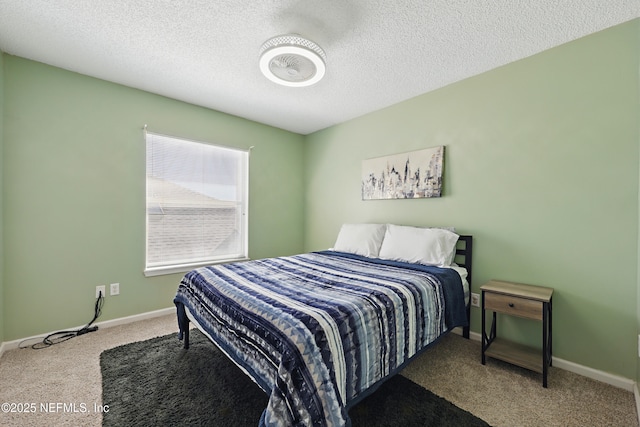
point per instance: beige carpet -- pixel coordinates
(505, 395)
(502, 395)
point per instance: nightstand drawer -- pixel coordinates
(514, 306)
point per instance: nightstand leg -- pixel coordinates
(494, 327)
(545, 343)
(487, 339)
(550, 335)
(484, 331)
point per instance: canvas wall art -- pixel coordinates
(412, 175)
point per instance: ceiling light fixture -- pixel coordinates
(291, 60)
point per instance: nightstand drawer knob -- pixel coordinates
(511, 304)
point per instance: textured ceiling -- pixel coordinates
(378, 53)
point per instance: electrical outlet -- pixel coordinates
(115, 288)
(102, 289)
(475, 300)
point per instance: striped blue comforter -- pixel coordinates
(319, 331)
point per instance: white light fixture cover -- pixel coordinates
(291, 60)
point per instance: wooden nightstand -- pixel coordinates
(527, 301)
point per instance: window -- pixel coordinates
(196, 204)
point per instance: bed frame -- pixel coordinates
(464, 256)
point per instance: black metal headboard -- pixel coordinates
(464, 257)
(465, 251)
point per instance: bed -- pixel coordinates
(320, 331)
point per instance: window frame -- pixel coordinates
(158, 270)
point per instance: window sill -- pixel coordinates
(183, 268)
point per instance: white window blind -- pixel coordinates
(197, 197)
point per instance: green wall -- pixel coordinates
(541, 166)
(638, 293)
(74, 193)
(2, 310)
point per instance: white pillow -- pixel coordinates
(360, 239)
(429, 246)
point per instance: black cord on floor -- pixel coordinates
(61, 336)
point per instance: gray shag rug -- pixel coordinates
(158, 383)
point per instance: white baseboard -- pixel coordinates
(585, 371)
(137, 317)
(12, 345)
(605, 377)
